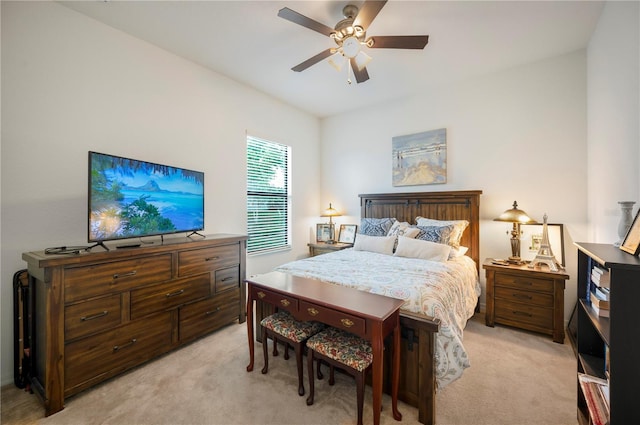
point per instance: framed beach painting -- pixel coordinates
(420, 158)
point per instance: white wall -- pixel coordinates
(613, 70)
(71, 84)
(518, 135)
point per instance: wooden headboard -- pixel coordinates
(454, 205)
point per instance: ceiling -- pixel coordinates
(247, 42)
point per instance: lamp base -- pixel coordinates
(330, 242)
(515, 260)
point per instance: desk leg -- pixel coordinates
(377, 347)
(250, 328)
(395, 373)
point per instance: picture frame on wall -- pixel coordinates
(631, 242)
(347, 233)
(325, 232)
(532, 236)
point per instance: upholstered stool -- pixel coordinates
(342, 350)
(282, 326)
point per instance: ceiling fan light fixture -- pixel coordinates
(337, 61)
(362, 60)
(351, 47)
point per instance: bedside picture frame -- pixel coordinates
(347, 233)
(325, 232)
(631, 242)
(532, 235)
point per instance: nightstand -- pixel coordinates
(323, 248)
(531, 299)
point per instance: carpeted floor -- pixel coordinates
(516, 378)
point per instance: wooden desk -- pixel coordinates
(370, 316)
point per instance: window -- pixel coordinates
(268, 195)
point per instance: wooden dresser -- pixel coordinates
(531, 299)
(97, 314)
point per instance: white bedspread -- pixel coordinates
(448, 291)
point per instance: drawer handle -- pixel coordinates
(95, 316)
(227, 278)
(522, 313)
(522, 296)
(346, 323)
(261, 294)
(118, 276)
(128, 344)
(173, 294)
(212, 258)
(312, 311)
(285, 302)
(213, 311)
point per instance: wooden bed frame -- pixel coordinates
(417, 374)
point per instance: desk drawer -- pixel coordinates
(337, 319)
(92, 316)
(168, 295)
(96, 357)
(279, 300)
(208, 259)
(524, 282)
(108, 278)
(526, 297)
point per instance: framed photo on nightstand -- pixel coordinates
(347, 233)
(324, 232)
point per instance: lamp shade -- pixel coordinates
(515, 215)
(330, 212)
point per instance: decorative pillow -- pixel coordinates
(376, 226)
(459, 227)
(459, 252)
(416, 248)
(403, 229)
(379, 244)
(437, 234)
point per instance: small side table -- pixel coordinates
(531, 299)
(323, 247)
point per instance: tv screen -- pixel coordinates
(129, 198)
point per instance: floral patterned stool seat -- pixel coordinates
(342, 350)
(283, 326)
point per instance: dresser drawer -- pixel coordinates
(92, 316)
(526, 297)
(208, 315)
(508, 313)
(98, 357)
(108, 278)
(279, 300)
(208, 259)
(167, 295)
(333, 318)
(227, 279)
(524, 282)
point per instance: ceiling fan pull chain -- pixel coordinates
(348, 71)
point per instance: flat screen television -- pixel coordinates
(129, 198)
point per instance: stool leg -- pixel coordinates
(265, 353)
(286, 351)
(320, 375)
(275, 345)
(360, 394)
(298, 350)
(331, 377)
(310, 373)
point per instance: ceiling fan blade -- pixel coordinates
(297, 18)
(312, 61)
(368, 13)
(361, 74)
(399, 41)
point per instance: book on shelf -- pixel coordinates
(599, 299)
(602, 312)
(600, 276)
(596, 394)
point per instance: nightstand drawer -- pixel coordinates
(508, 312)
(526, 297)
(524, 282)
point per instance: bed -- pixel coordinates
(428, 361)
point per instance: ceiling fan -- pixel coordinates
(350, 35)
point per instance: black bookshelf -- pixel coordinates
(609, 347)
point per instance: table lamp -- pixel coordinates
(517, 217)
(331, 212)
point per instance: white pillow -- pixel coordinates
(379, 244)
(426, 250)
(458, 252)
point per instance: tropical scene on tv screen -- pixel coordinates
(130, 198)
